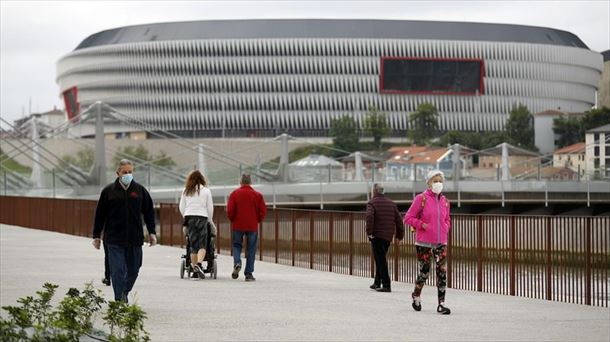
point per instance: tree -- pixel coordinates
(474, 140)
(376, 124)
(520, 128)
(83, 159)
(140, 153)
(595, 118)
(568, 130)
(572, 130)
(491, 139)
(423, 123)
(163, 160)
(131, 152)
(344, 133)
(470, 139)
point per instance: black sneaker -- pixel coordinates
(250, 277)
(416, 303)
(383, 289)
(443, 310)
(106, 281)
(374, 286)
(236, 269)
(199, 270)
(194, 276)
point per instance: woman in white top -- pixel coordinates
(197, 208)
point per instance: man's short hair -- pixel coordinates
(378, 188)
(123, 162)
(246, 179)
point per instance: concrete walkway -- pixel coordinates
(286, 303)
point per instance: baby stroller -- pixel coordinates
(210, 254)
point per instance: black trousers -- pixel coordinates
(380, 250)
(106, 265)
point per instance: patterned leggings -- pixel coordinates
(424, 255)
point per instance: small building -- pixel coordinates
(597, 151)
(522, 163)
(46, 121)
(316, 168)
(399, 165)
(559, 174)
(572, 157)
(414, 162)
(373, 166)
(544, 136)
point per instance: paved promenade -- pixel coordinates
(286, 303)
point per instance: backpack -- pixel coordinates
(423, 204)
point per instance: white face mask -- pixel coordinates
(437, 188)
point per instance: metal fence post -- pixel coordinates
(330, 242)
(449, 257)
(171, 225)
(395, 260)
(260, 243)
(512, 255)
(480, 254)
(276, 234)
(53, 181)
(294, 223)
(548, 259)
(351, 244)
(218, 226)
(588, 263)
(311, 238)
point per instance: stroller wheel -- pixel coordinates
(182, 268)
(215, 274)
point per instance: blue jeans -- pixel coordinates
(251, 239)
(125, 263)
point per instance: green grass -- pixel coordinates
(12, 165)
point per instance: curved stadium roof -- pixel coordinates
(332, 28)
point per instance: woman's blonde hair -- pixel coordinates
(194, 179)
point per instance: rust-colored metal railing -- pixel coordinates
(564, 259)
(67, 216)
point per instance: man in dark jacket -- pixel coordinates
(119, 215)
(246, 208)
(383, 222)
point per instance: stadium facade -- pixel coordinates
(264, 77)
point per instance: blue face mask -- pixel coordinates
(126, 178)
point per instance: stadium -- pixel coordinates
(255, 78)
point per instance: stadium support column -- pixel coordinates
(98, 174)
(358, 166)
(505, 170)
(455, 158)
(201, 159)
(284, 158)
(36, 176)
(456, 170)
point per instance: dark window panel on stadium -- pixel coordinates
(441, 76)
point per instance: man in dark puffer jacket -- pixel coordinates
(383, 222)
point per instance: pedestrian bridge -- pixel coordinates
(286, 303)
(540, 192)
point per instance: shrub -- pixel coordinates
(36, 320)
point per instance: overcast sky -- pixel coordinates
(35, 34)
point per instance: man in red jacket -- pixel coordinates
(246, 209)
(383, 223)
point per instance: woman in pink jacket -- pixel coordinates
(429, 217)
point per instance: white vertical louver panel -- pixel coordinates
(142, 73)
